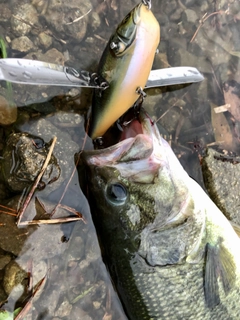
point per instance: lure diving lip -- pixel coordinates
(34, 72)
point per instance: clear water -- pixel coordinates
(77, 285)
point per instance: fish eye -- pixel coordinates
(116, 193)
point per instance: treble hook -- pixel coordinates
(147, 3)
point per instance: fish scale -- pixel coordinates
(169, 284)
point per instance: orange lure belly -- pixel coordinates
(125, 74)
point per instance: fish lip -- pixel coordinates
(119, 150)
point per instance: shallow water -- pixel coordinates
(77, 285)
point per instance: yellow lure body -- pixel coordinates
(126, 63)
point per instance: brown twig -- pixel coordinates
(203, 19)
(9, 213)
(8, 208)
(59, 220)
(29, 197)
(50, 221)
(28, 305)
(70, 209)
(73, 172)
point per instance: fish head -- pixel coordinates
(137, 181)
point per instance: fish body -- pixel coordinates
(126, 63)
(171, 252)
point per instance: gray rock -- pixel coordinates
(45, 40)
(222, 180)
(172, 6)
(4, 260)
(23, 12)
(5, 13)
(69, 18)
(23, 158)
(64, 309)
(176, 15)
(14, 276)
(189, 16)
(65, 147)
(23, 44)
(184, 58)
(52, 56)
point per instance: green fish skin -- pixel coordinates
(170, 251)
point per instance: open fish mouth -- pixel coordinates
(138, 154)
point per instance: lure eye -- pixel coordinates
(121, 47)
(118, 47)
(116, 193)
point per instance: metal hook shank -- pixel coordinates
(147, 3)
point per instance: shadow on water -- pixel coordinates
(77, 285)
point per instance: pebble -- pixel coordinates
(45, 40)
(14, 275)
(25, 12)
(23, 44)
(8, 112)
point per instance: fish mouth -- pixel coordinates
(133, 128)
(136, 154)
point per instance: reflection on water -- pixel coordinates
(196, 33)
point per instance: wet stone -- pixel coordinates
(24, 12)
(65, 17)
(14, 275)
(64, 309)
(189, 16)
(176, 15)
(8, 111)
(172, 6)
(45, 39)
(4, 260)
(23, 158)
(222, 180)
(22, 44)
(3, 295)
(52, 56)
(184, 58)
(63, 151)
(5, 13)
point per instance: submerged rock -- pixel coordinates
(8, 111)
(70, 18)
(222, 180)
(23, 158)
(21, 13)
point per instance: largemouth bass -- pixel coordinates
(171, 252)
(126, 63)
